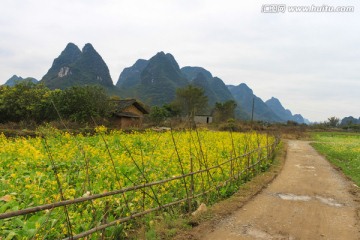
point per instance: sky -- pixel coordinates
(310, 61)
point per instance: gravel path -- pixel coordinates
(308, 200)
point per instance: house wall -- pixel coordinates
(126, 122)
(130, 122)
(203, 119)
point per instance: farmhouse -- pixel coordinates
(128, 113)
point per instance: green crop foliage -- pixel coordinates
(341, 149)
(32, 168)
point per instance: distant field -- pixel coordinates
(342, 149)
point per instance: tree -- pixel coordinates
(224, 111)
(158, 114)
(190, 100)
(28, 102)
(25, 101)
(172, 109)
(80, 104)
(333, 121)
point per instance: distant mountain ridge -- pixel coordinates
(275, 105)
(131, 76)
(76, 67)
(245, 96)
(17, 79)
(155, 81)
(213, 85)
(201, 81)
(285, 114)
(350, 121)
(160, 79)
(271, 110)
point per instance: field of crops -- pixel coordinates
(343, 150)
(59, 166)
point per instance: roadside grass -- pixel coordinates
(342, 150)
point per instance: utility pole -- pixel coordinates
(252, 112)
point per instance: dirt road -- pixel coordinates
(308, 200)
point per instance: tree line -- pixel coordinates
(29, 102)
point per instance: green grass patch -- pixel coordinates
(341, 149)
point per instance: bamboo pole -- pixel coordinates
(135, 215)
(68, 223)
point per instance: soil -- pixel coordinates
(309, 199)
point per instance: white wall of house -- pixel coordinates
(203, 119)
